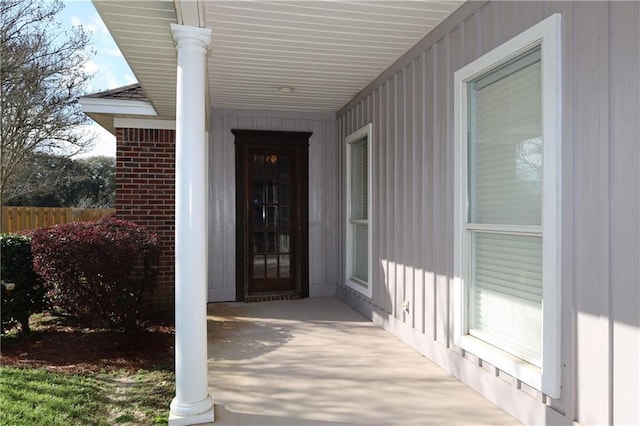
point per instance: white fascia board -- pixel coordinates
(116, 106)
(143, 123)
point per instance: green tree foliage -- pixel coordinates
(47, 180)
(98, 183)
(42, 74)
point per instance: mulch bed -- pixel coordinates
(60, 345)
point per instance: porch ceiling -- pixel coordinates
(326, 51)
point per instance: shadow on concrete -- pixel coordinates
(287, 309)
(249, 339)
(291, 362)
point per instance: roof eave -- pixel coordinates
(103, 111)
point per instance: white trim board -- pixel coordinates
(365, 132)
(116, 106)
(143, 123)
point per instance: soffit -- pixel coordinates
(141, 31)
(327, 51)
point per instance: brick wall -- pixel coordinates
(145, 194)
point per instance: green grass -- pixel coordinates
(41, 397)
(145, 398)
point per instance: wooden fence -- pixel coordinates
(15, 219)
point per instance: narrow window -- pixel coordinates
(507, 207)
(359, 211)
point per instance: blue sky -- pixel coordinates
(107, 64)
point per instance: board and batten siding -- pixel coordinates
(323, 193)
(411, 107)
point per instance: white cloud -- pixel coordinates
(91, 66)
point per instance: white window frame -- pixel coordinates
(354, 283)
(545, 34)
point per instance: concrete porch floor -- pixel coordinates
(318, 362)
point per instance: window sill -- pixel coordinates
(359, 286)
(521, 370)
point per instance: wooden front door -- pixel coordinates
(272, 213)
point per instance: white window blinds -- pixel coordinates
(505, 144)
(506, 293)
(505, 207)
(359, 182)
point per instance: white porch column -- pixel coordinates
(192, 404)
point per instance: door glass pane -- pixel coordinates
(283, 167)
(259, 217)
(283, 189)
(258, 171)
(258, 267)
(285, 267)
(271, 167)
(272, 266)
(258, 193)
(505, 144)
(272, 195)
(259, 242)
(283, 217)
(271, 242)
(284, 242)
(272, 220)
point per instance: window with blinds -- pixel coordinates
(358, 216)
(358, 210)
(507, 283)
(504, 218)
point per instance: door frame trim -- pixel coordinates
(244, 141)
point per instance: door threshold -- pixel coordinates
(271, 297)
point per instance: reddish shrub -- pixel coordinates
(96, 271)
